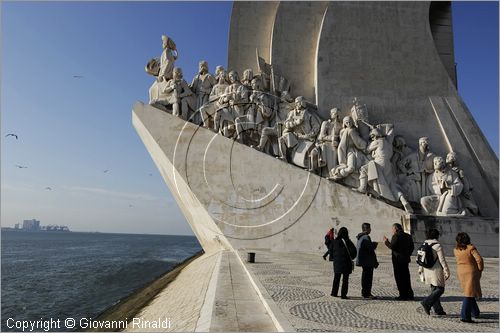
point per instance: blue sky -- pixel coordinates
(71, 130)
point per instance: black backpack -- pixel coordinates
(425, 256)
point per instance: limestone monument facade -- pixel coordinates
(263, 160)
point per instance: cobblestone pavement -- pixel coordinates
(300, 285)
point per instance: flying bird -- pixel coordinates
(12, 134)
(77, 76)
(48, 188)
(150, 174)
(131, 205)
(105, 171)
(21, 166)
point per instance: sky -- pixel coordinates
(73, 129)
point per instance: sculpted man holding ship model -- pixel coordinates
(365, 157)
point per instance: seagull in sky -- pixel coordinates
(48, 188)
(106, 171)
(77, 76)
(12, 134)
(131, 205)
(21, 166)
(150, 174)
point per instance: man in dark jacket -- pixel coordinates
(402, 247)
(367, 259)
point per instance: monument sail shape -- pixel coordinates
(353, 98)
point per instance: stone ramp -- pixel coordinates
(182, 300)
(237, 305)
(299, 284)
(213, 293)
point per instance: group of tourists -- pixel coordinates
(433, 268)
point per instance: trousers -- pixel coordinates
(402, 277)
(433, 300)
(366, 281)
(469, 307)
(336, 283)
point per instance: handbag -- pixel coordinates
(349, 254)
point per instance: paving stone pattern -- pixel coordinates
(300, 284)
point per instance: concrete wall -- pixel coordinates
(253, 30)
(234, 194)
(441, 24)
(483, 232)
(396, 57)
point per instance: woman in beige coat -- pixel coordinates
(435, 276)
(469, 268)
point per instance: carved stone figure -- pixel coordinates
(299, 126)
(208, 111)
(418, 165)
(247, 78)
(234, 101)
(349, 152)
(445, 187)
(269, 136)
(465, 197)
(324, 155)
(359, 114)
(258, 114)
(379, 172)
(179, 95)
(219, 70)
(202, 84)
(165, 69)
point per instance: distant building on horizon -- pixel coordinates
(33, 225)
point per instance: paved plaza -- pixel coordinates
(299, 285)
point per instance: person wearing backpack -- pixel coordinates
(367, 259)
(330, 235)
(343, 252)
(434, 270)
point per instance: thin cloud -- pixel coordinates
(111, 193)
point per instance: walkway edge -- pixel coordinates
(280, 321)
(205, 320)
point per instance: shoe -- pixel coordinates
(344, 297)
(370, 297)
(334, 295)
(426, 309)
(324, 258)
(470, 321)
(477, 317)
(442, 313)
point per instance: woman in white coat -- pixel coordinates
(435, 276)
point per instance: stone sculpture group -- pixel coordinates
(259, 111)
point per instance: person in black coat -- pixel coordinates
(402, 247)
(367, 259)
(343, 252)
